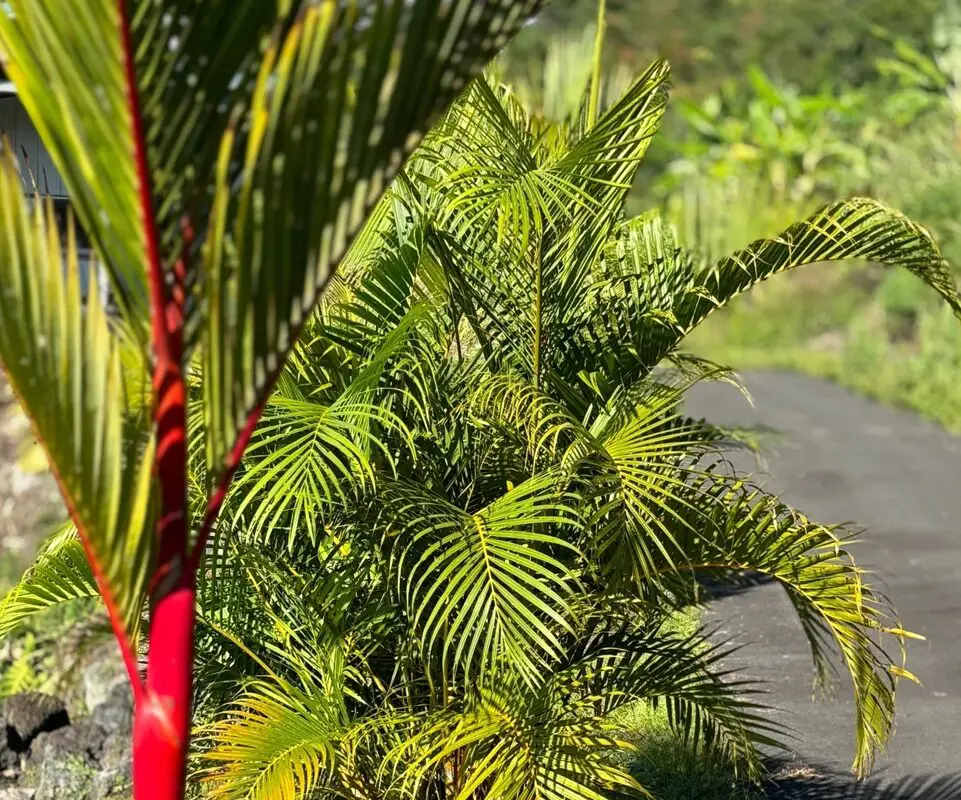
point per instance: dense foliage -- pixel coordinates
(806, 43)
(475, 503)
(220, 158)
(454, 551)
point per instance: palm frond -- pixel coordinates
(518, 409)
(20, 675)
(603, 165)
(489, 586)
(387, 289)
(613, 666)
(63, 362)
(308, 456)
(640, 456)
(354, 86)
(76, 97)
(851, 229)
(511, 741)
(858, 228)
(738, 528)
(59, 574)
(276, 743)
(196, 66)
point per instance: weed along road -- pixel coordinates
(838, 458)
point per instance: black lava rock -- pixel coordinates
(29, 714)
(85, 740)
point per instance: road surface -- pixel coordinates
(842, 458)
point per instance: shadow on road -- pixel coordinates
(844, 787)
(731, 584)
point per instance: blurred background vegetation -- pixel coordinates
(778, 106)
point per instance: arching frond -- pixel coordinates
(190, 64)
(59, 574)
(603, 164)
(611, 667)
(500, 181)
(386, 289)
(738, 528)
(627, 310)
(851, 229)
(858, 228)
(514, 405)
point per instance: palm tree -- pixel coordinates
(220, 156)
(456, 543)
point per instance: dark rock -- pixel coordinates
(117, 753)
(83, 740)
(8, 758)
(50, 759)
(30, 714)
(115, 713)
(102, 676)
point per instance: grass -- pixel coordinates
(663, 763)
(668, 768)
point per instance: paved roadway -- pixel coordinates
(842, 458)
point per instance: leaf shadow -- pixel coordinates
(814, 785)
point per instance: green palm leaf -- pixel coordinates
(733, 527)
(641, 455)
(277, 743)
(603, 164)
(64, 364)
(196, 65)
(488, 586)
(610, 668)
(76, 97)
(387, 289)
(851, 229)
(308, 456)
(190, 64)
(354, 86)
(511, 741)
(59, 574)
(627, 341)
(859, 228)
(499, 180)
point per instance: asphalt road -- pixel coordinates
(841, 458)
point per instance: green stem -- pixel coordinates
(594, 102)
(538, 314)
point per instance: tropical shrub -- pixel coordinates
(454, 548)
(220, 156)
